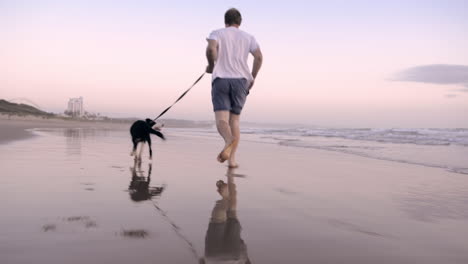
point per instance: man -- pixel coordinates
(227, 52)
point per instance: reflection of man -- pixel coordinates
(139, 187)
(223, 243)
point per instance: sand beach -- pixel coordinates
(72, 194)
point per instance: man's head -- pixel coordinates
(232, 17)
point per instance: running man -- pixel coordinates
(227, 53)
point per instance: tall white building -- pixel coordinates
(75, 107)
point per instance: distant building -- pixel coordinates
(75, 107)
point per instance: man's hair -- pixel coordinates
(232, 17)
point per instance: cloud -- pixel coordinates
(435, 74)
(450, 96)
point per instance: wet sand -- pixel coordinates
(76, 196)
(17, 127)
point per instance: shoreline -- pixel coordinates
(14, 128)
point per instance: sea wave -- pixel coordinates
(429, 147)
(380, 153)
(424, 136)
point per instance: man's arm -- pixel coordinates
(257, 64)
(211, 54)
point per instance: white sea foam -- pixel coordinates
(425, 136)
(430, 147)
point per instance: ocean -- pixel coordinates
(431, 147)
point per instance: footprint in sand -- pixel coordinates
(86, 221)
(89, 186)
(135, 233)
(49, 227)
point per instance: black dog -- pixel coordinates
(140, 131)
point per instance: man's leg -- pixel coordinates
(224, 129)
(222, 124)
(235, 132)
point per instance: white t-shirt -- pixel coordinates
(234, 46)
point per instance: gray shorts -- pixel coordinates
(229, 94)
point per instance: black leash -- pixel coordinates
(177, 230)
(180, 97)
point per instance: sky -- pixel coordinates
(326, 63)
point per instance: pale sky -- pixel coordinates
(326, 63)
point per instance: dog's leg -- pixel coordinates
(150, 150)
(150, 168)
(137, 150)
(135, 143)
(142, 145)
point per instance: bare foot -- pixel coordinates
(233, 165)
(225, 154)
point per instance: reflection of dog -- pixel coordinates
(140, 131)
(139, 187)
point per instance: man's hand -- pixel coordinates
(209, 69)
(251, 84)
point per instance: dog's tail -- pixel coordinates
(159, 134)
